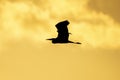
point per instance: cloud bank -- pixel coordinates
(34, 20)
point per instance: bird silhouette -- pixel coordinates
(63, 33)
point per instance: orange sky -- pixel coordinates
(26, 55)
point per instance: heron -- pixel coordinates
(63, 33)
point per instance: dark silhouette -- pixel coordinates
(63, 33)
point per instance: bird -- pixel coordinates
(63, 33)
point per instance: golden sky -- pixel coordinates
(26, 55)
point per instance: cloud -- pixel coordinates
(108, 7)
(34, 20)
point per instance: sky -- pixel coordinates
(25, 54)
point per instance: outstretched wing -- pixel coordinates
(62, 30)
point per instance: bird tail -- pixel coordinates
(75, 42)
(50, 39)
